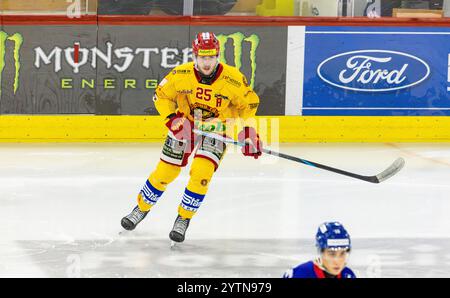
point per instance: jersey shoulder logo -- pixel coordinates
(181, 71)
(232, 81)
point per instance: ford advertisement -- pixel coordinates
(376, 71)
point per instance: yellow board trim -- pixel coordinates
(365, 129)
(90, 128)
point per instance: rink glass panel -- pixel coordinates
(267, 8)
(49, 7)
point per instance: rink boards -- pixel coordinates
(319, 79)
(273, 129)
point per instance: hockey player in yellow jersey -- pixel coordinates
(202, 91)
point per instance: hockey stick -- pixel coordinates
(393, 169)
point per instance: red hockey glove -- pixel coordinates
(180, 126)
(254, 146)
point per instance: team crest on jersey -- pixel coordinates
(204, 111)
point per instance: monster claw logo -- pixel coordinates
(5, 39)
(238, 38)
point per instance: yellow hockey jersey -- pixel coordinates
(227, 97)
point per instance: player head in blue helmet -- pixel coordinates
(334, 245)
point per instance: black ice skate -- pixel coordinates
(179, 229)
(130, 221)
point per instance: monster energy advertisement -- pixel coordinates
(114, 70)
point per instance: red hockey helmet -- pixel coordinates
(206, 44)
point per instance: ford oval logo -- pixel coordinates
(373, 70)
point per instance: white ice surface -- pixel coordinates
(61, 205)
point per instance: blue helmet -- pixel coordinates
(332, 235)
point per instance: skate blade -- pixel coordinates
(173, 244)
(124, 232)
